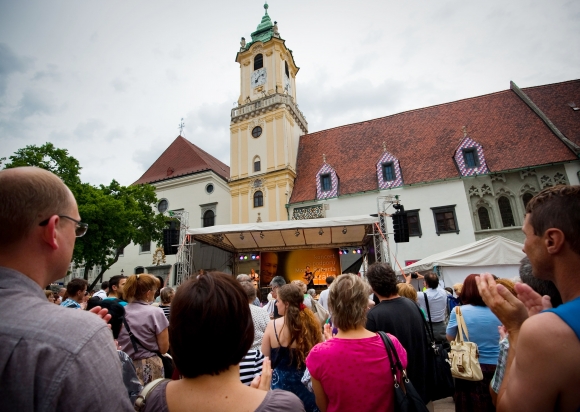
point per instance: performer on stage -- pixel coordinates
(308, 277)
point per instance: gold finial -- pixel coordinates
(384, 146)
(464, 131)
(324, 158)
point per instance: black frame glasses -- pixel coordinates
(80, 230)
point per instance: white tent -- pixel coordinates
(496, 255)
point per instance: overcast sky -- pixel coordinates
(110, 80)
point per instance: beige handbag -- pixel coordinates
(464, 355)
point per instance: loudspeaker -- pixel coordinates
(400, 227)
(170, 241)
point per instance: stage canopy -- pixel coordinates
(494, 254)
(348, 231)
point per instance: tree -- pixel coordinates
(117, 215)
(50, 158)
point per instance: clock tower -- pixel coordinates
(265, 128)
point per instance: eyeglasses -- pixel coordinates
(80, 230)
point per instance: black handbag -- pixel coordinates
(441, 384)
(406, 397)
(168, 366)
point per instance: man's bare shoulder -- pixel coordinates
(548, 359)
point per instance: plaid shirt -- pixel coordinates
(69, 303)
(504, 346)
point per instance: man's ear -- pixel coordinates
(49, 232)
(554, 240)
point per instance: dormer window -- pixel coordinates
(286, 69)
(258, 61)
(325, 182)
(470, 157)
(388, 172)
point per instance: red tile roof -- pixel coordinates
(553, 100)
(424, 140)
(182, 158)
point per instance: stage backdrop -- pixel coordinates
(306, 265)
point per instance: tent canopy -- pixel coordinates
(291, 234)
(491, 251)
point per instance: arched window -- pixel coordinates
(258, 61)
(258, 199)
(505, 210)
(484, 221)
(526, 198)
(286, 69)
(257, 164)
(208, 218)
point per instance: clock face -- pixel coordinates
(287, 85)
(258, 77)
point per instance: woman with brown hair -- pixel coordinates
(288, 341)
(148, 325)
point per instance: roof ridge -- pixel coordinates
(411, 111)
(203, 152)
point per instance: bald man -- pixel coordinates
(51, 358)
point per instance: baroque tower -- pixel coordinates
(265, 128)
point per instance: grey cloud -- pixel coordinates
(176, 53)
(10, 63)
(94, 37)
(171, 75)
(119, 85)
(90, 130)
(51, 73)
(35, 102)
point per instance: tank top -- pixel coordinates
(568, 312)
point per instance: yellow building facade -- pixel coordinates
(265, 128)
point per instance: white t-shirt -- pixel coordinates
(323, 299)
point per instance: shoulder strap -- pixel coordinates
(142, 398)
(430, 334)
(390, 355)
(428, 312)
(461, 327)
(276, 333)
(568, 312)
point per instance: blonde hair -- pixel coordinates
(29, 195)
(458, 287)
(137, 286)
(348, 300)
(509, 285)
(407, 291)
(300, 285)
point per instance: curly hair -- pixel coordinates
(382, 279)
(302, 325)
(557, 207)
(349, 299)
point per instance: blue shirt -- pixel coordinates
(482, 329)
(69, 303)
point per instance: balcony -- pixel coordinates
(269, 103)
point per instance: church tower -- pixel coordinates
(265, 128)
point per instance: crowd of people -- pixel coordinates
(220, 349)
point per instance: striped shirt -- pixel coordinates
(251, 366)
(165, 310)
(69, 303)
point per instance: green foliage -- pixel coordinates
(117, 215)
(50, 158)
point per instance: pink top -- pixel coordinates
(355, 373)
